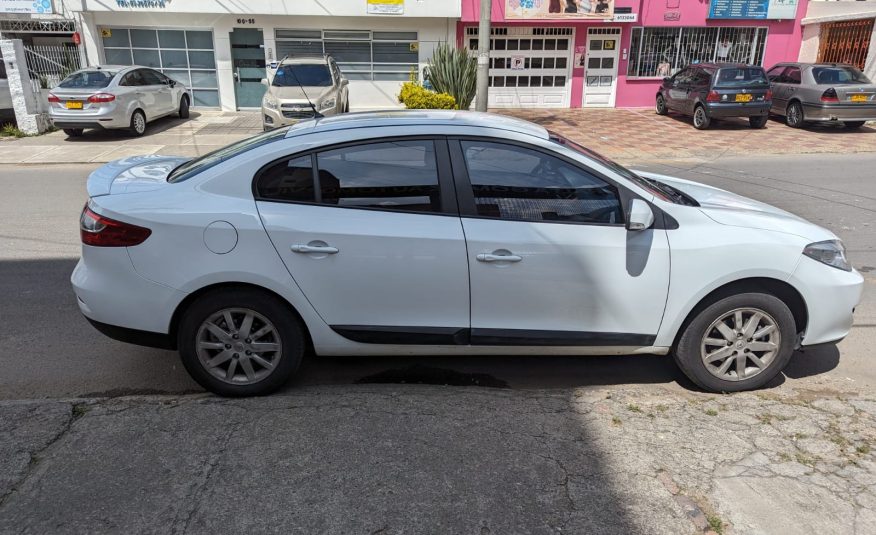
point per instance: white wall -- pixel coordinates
(821, 11)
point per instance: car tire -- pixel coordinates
(701, 119)
(699, 342)
(853, 125)
(660, 108)
(184, 107)
(74, 132)
(238, 368)
(794, 115)
(138, 123)
(759, 121)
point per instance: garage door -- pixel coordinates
(185, 55)
(529, 67)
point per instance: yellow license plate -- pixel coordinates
(859, 98)
(743, 98)
(74, 104)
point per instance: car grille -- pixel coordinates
(298, 114)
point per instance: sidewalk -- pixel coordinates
(627, 135)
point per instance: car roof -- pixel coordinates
(721, 65)
(304, 58)
(458, 118)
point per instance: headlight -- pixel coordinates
(270, 102)
(327, 104)
(830, 252)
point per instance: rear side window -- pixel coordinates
(88, 79)
(741, 77)
(792, 76)
(515, 183)
(288, 180)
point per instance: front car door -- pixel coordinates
(550, 259)
(139, 91)
(678, 89)
(158, 86)
(371, 234)
(779, 88)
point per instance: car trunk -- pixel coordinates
(130, 175)
(76, 98)
(741, 85)
(853, 93)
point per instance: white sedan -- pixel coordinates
(450, 233)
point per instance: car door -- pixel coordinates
(377, 245)
(698, 88)
(550, 259)
(779, 88)
(138, 91)
(791, 79)
(678, 89)
(162, 92)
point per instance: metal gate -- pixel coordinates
(845, 42)
(49, 64)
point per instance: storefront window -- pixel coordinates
(659, 52)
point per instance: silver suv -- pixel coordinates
(302, 87)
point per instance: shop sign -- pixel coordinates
(26, 6)
(144, 4)
(624, 17)
(753, 9)
(559, 9)
(386, 7)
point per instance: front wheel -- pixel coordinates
(738, 343)
(758, 122)
(701, 119)
(240, 342)
(853, 125)
(138, 123)
(794, 115)
(184, 107)
(660, 108)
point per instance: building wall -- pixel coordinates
(822, 11)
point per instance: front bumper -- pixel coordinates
(732, 109)
(276, 118)
(839, 112)
(831, 296)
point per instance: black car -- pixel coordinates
(715, 90)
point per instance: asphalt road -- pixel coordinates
(48, 350)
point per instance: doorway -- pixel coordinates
(600, 67)
(248, 66)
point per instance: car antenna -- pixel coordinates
(316, 114)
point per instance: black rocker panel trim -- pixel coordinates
(379, 334)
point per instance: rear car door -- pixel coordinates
(138, 91)
(163, 95)
(550, 259)
(776, 76)
(371, 234)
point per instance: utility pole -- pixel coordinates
(484, 55)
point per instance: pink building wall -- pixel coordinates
(783, 38)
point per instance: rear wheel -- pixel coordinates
(138, 123)
(184, 107)
(758, 122)
(794, 115)
(852, 125)
(73, 132)
(240, 342)
(738, 343)
(701, 119)
(660, 108)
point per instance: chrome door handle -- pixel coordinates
(492, 257)
(321, 249)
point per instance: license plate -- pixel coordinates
(743, 98)
(858, 98)
(74, 104)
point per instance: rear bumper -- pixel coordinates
(77, 124)
(111, 117)
(839, 112)
(133, 336)
(754, 109)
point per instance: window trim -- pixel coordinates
(465, 195)
(449, 204)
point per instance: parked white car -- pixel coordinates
(113, 97)
(451, 233)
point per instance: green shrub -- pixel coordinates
(454, 71)
(416, 97)
(10, 130)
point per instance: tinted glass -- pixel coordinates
(839, 75)
(775, 74)
(317, 75)
(88, 79)
(289, 180)
(398, 175)
(741, 77)
(792, 76)
(151, 77)
(511, 182)
(195, 166)
(144, 39)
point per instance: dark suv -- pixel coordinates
(715, 90)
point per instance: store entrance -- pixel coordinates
(248, 66)
(600, 67)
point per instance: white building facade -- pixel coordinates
(221, 50)
(843, 31)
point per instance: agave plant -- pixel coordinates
(454, 71)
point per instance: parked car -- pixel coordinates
(446, 232)
(822, 92)
(6, 110)
(707, 91)
(304, 87)
(113, 96)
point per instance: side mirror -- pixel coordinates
(666, 80)
(171, 83)
(641, 217)
(264, 82)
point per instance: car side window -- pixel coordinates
(132, 78)
(394, 175)
(775, 74)
(682, 77)
(150, 77)
(288, 180)
(792, 75)
(519, 184)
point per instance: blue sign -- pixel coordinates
(753, 9)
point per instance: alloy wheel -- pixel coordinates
(794, 115)
(238, 346)
(740, 344)
(699, 117)
(139, 123)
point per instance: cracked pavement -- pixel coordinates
(417, 458)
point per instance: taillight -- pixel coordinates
(53, 98)
(102, 97)
(713, 96)
(100, 231)
(829, 96)
(769, 95)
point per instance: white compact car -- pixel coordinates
(450, 233)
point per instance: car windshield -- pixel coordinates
(86, 79)
(740, 77)
(308, 75)
(839, 75)
(658, 189)
(191, 168)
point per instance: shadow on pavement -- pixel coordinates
(157, 126)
